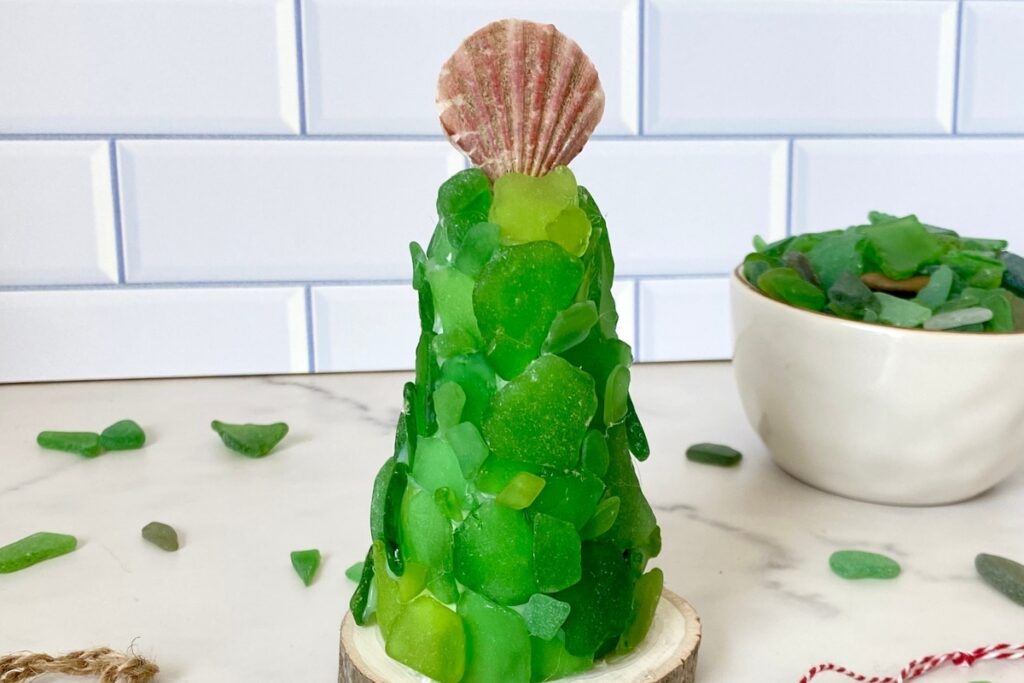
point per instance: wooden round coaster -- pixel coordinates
(667, 655)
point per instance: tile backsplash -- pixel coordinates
(199, 187)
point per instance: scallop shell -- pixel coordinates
(519, 96)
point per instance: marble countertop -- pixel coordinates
(747, 547)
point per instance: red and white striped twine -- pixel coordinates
(920, 667)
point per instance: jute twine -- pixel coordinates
(102, 662)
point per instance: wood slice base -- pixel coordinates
(667, 655)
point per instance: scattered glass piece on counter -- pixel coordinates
(714, 454)
(861, 564)
(251, 440)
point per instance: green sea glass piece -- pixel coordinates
(714, 454)
(521, 491)
(496, 473)
(463, 201)
(430, 638)
(1013, 275)
(646, 596)
(385, 511)
(470, 449)
(387, 605)
(1003, 574)
(453, 300)
(477, 379)
(848, 297)
(161, 535)
(799, 262)
(635, 434)
(355, 571)
(494, 554)
(524, 206)
(836, 255)
(571, 229)
(976, 269)
(570, 496)
(34, 549)
(594, 457)
(251, 440)
(124, 435)
(448, 502)
(426, 537)
(601, 601)
(860, 564)
(359, 603)
(900, 312)
(635, 528)
(544, 615)
(902, 246)
(497, 642)
(936, 292)
(616, 393)
(786, 285)
(556, 553)
(449, 401)
(550, 660)
(480, 243)
(604, 517)
(83, 443)
(953, 319)
(570, 327)
(541, 416)
(436, 465)
(997, 301)
(306, 563)
(518, 295)
(756, 265)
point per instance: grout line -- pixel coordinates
(310, 341)
(641, 89)
(636, 320)
(234, 284)
(955, 119)
(115, 189)
(300, 65)
(361, 137)
(789, 187)
(267, 284)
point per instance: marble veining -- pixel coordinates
(748, 547)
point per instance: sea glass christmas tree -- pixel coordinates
(510, 536)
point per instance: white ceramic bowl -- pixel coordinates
(882, 414)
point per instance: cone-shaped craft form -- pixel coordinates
(510, 534)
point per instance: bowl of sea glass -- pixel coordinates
(872, 402)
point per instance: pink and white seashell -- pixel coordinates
(519, 96)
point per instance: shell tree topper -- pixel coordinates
(510, 535)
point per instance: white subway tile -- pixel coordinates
(368, 327)
(969, 185)
(277, 210)
(992, 68)
(376, 327)
(686, 206)
(801, 66)
(56, 214)
(177, 66)
(685, 319)
(624, 293)
(372, 65)
(107, 333)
